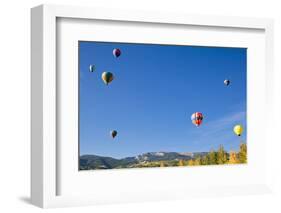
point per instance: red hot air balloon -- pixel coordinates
(116, 52)
(197, 118)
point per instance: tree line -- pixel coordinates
(218, 157)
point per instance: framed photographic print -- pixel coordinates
(137, 115)
(130, 106)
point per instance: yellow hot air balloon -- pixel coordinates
(238, 129)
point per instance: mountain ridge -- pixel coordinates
(103, 162)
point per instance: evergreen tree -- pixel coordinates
(205, 160)
(202, 161)
(212, 158)
(197, 161)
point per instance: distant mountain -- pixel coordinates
(88, 162)
(163, 156)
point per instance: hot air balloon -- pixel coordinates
(197, 118)
(113, 133)
(92, 68)
(238, 129)
(107, 77)
(116, 52)
(226, 82)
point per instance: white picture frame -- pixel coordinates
(46, 161)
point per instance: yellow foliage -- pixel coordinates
(242, 155)
(233, 158)
(191, 163)
(181, 163)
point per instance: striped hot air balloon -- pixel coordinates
(197, 118)
(107, 77)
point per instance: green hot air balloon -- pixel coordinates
(107, 77)
(113, 133)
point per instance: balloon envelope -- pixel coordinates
(116, 52)
(226, 82)
(197, 118)
(107, 77)
(113, 133)
(238, 129)
(92, 68)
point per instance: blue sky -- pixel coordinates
(155, 91)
